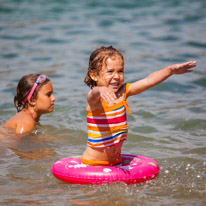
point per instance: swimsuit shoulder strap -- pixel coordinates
(126, 91)
(125, 97)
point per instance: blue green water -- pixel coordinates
(168, 122)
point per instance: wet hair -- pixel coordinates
(97, 59)
(24, 87)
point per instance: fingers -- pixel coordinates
(187, 71)
(109, 97)
(189, 64)
(192, 64)
(183, 67)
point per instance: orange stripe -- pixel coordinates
(104, 110)
(100, 163)
(93, 135)
(105, 129)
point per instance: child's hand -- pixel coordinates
(107, 95)
(182, 68)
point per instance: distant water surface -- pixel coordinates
(168, 121)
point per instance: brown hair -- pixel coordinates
(97, 59)
(24, 87)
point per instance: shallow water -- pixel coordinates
(168, 122)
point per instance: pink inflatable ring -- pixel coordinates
(135, 169)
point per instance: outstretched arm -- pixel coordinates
(159, 76)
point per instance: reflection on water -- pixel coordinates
(37, 154)
(168, 122)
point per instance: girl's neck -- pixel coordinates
(33, 113)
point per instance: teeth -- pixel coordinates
(115, 84)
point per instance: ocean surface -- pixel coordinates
(168, 123)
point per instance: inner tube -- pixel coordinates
(134, 169)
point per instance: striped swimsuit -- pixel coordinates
(108, 126)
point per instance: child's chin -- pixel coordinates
(114, 89)
(48, 111)
(51, 110)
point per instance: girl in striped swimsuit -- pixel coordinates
(106, 103)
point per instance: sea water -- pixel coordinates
(168, 122)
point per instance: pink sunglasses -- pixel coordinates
(39, 80)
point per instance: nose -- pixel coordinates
(53, 98)
(116, 75)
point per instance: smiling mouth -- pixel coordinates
(114, 85)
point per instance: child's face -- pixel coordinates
(112, 73)
(45, 99)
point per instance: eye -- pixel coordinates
(49, 94)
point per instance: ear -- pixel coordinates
(31, 102)
(93, 75)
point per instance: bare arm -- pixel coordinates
(159, 76)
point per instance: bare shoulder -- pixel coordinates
(25, 123)
(11, 123)
(21, 122)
